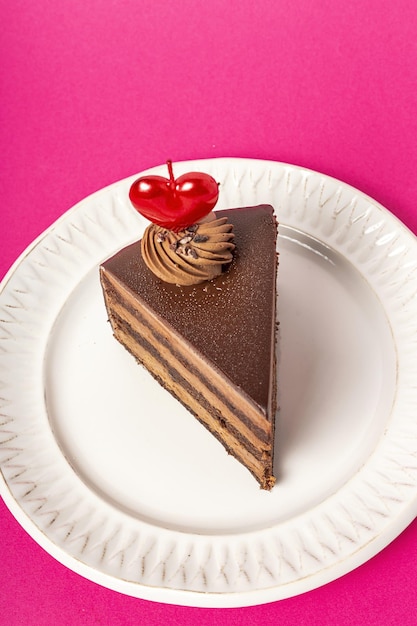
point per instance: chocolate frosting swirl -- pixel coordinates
(191, 256)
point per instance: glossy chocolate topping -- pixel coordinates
(231, 318)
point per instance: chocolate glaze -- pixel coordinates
(230, 319)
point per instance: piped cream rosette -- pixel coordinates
(191, 256)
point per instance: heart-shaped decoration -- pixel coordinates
(174, 203)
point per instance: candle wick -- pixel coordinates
(171, 173)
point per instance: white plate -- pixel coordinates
(117, 481)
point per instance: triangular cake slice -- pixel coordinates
(211, 345)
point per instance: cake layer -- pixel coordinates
(231, 417)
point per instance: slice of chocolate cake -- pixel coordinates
(211, 345)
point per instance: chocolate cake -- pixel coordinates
(211, 345)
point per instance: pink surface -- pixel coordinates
(94, 92)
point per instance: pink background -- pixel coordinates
(96, 91)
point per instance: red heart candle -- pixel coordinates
(174, 203)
